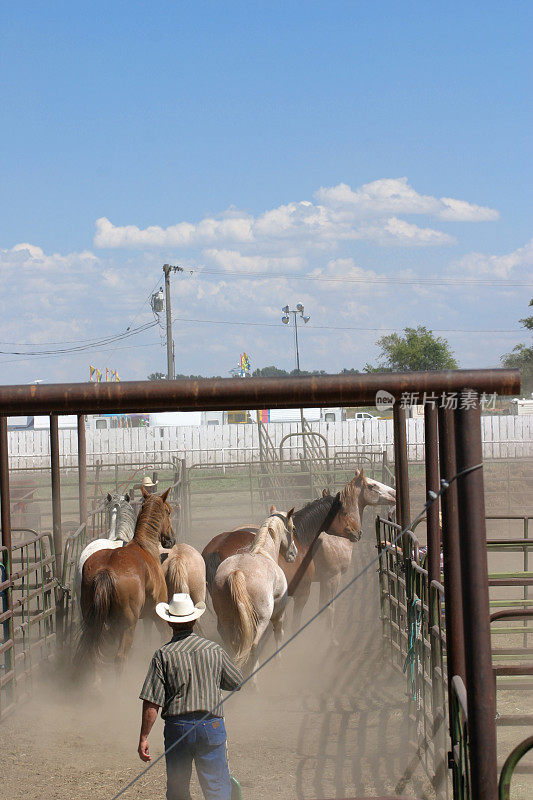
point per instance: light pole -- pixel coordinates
(297, 312)
(157, 307)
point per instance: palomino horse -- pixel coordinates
(122, 516)
(184, 571)
(121, 586)
(250, 590)
(332, 555)
(339, 515)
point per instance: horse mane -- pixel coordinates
(350, 493)
(264, 531)
(148, 525)
(307, 520)
(126, 525)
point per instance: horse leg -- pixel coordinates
(300, 600)
(279, 633)
(328, 589)
(126, 641)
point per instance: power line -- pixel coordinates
(376, 279)
(87, 345)
(345, 327)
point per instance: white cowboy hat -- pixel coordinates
(148, 482)
(180, 609)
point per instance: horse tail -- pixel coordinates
(247, 616)
(176, 575)
(103, 596)
(212, 563)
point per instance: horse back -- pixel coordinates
(224, 545)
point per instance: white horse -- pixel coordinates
(250, 589)
(332, 555)
(122, 518)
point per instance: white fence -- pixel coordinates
(503, 437)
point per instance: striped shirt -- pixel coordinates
(187, 675)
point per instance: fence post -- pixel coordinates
(9, 663)
(185, 504)
(455, 646)
(480, 684)
(82, 468)
(401, 469)
(56, 522)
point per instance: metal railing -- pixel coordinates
(28, 622)
(412, 616)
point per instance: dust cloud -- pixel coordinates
(324, 722)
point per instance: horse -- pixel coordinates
(339, 515)
(249, 589)
(184, 571)
(121, 586)
(332, 555)
(121, 517)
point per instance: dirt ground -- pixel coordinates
(323, 723)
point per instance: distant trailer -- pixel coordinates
(521, 407)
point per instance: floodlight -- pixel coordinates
(299, 308)
(285, 309)
(285, 320)
(306, 319)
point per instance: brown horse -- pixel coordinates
(338, 515)
(119, 587)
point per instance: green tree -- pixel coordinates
(417, 349)
(521, 357)
(270, 372)
(156, 376)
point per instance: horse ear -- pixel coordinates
(108, 497)
(291, 512)
(145, 492)
(273, 509)
(360, 478)
(326, 493)
(165, 495)
(127, 497)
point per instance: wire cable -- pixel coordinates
(432, 497)
(374, 279)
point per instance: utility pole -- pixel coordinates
(167, 269)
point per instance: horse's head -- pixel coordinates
(288, 548)
(166, 534)
(347, 522)
(376, 494)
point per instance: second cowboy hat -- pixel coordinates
(148, 482)
(180, 609)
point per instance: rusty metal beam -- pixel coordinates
(451, 550)
(476, 619)
(82, 469)
(56, 493)
(4, 486)
(5, 511)
(401, 467)
(256, 393)
(432, 485)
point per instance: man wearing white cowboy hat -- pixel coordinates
(148, 484)
(185, 679)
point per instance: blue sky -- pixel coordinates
(259, 124)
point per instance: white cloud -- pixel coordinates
(369, 213)
(497, 266)
(396, 196)
(233, 260)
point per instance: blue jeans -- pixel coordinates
(204, 744)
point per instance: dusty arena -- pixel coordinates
(322, 723)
